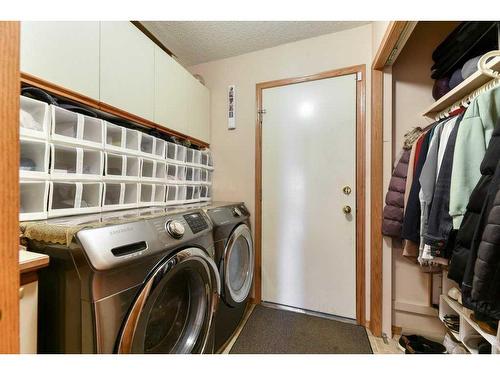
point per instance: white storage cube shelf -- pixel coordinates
(206, 159)
(193, 175)
(159, 194)
(130, 195)
(176, 173)
(146, 194)
(148, 169)
(146, 144)
(33, 200)
(122, 167)
(74, 198)
(75, 163)
(115, 137)
(205, 193)
(159, 148)
(206, 176)
(34, 118)
(73, 128)
(34, 159)
(193, 157)
(175, 153)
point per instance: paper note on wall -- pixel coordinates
(231, 96)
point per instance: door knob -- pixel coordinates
(346, 209)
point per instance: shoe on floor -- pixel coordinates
(455, 294)
(415, 344)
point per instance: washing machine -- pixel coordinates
(149, 285)
(234, 257)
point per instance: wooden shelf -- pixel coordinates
(473, 82)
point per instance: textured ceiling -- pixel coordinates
(195, 42)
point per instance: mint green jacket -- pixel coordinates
(474, 133)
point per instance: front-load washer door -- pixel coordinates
(174, 311)
(238, 265)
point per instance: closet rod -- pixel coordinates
(469, 98)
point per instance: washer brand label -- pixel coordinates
(122, 230)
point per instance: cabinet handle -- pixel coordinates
(21, 292)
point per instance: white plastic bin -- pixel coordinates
(206, 159)
(159, 148)
(148, 167)
(193, 174)
(92, 164)
(161, 171)
(159, 194)
(64, 162)
(190, 193)
(115, 166)
(132, 168)
(34, 118)
(176, 173)
(33, 200)
(182, 194)
(146, 194)
(132, 141)
(91, 197)
(92, 132)
(34, 159)
(171, 194)
(130, 195)
(112, 196)
(115, 137)
(147, 144)
(63, 199)
(180, 154)
(65, 125)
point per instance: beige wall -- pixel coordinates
(234, 150)
(378, 31)
(412, 94)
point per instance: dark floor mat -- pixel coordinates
(274, 331)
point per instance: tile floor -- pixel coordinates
(378, 344)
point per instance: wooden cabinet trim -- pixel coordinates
(31, 80)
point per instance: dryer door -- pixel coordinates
(238, 265)
(173, 313)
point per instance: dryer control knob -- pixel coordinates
(175, 229)
(236, 212)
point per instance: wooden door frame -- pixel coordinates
(387, 47)
(9, 190)
(360, 178)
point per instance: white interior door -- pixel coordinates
(308, 156)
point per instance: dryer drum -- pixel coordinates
(238, 265)
(173, 312)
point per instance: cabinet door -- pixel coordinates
(28, 318)
(127, 69)
(199, 113)
(171, 93)
(63, 53)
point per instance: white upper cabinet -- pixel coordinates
(63, 53)
(127, 69)
(199, 111)
(171, 93)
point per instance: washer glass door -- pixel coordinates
(238, 265)
(173, 312)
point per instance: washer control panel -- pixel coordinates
(196, 222)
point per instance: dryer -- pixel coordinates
(234, 257)
(146, 286)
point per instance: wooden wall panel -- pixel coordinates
(9, 189)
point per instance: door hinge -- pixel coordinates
(260, 113)
(359, 76)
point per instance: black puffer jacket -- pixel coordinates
(463, 259)
(485, 295)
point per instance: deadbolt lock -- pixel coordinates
(347, 190)
(347, 209)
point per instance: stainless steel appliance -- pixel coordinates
(235, 257)
(146, 286)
